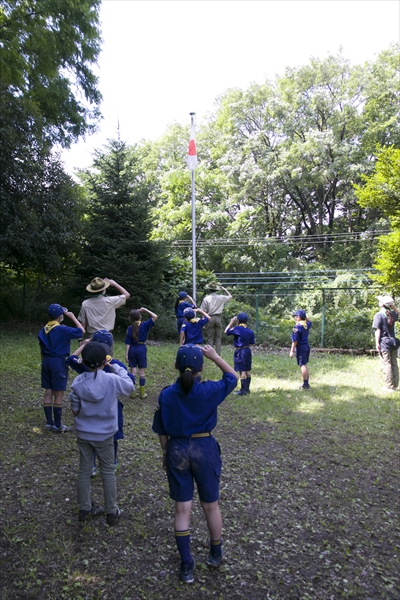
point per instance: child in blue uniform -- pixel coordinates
(243, 338)
(185, 417)
(300, 343)
(191, 330)
(136, 349)
(183, 301)
(75, 362)
(55, 346)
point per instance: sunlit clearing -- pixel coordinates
(310, 407)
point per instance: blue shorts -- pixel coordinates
(242, 359)
(137, 356)
(302, 355)
(54, 373)
(194, 459)
(179, 323)
(119, 435)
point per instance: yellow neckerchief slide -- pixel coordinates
(195, 320)
(242, 325)
(303, 323)
(50, 325)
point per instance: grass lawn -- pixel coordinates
(309, 489)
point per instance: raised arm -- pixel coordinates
(211, 354)
(231, 323)
(118, 287)
(203, 313)
(73, 318)
(152, 315)
(226, 291)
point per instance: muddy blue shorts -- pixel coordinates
(54, 373)
(137, 356)
(302, 355)
(242, 359)
(192, 460)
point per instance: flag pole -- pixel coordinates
(193, 222)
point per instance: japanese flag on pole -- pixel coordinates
(192, 154)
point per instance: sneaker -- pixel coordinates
(215, 560)
(187, 572)
(94, 472)
(95, 511)
(390, 390)
(240, 393)
(143, 396)
(305, 387)
(49, 427)
(134, 394)
(61, 429)
(113, 518)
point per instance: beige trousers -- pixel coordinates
(390, 369)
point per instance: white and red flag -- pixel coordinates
(192, 154)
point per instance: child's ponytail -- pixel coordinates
(187, 379)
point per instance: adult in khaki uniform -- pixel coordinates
(98, 312)
(213, 305)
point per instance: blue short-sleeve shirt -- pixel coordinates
(180, 415)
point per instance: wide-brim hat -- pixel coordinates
(385, 300)
(213, 286)
(97, 285)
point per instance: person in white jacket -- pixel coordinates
(94, 404)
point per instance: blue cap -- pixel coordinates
(103, 336)
(300, 313)
(243, 317)
(189, 355)
(55, 310)
(189, 313)
(182, 295)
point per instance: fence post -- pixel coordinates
(323, 320)
(257, 313)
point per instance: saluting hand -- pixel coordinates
(209, 352)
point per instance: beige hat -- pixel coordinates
(97, 285)
(213, 286)
(385, 300)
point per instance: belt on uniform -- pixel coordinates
(218, 315)
(200, 435)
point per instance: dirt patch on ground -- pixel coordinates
(301, 520)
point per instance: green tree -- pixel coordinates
(382, 189)
(117, 225)
(47, 50)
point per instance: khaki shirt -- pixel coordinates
(99, 313)
(213, 304)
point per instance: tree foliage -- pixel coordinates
(47, 50)
(117, 225)
(278, 163)
(382, 189)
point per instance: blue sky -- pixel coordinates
(162, 59)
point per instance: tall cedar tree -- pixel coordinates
(116, 233)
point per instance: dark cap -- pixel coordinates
(189, 355)
(182, 295)
(94, 354)
(55, 310)
(243, 317)
(299, 313)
